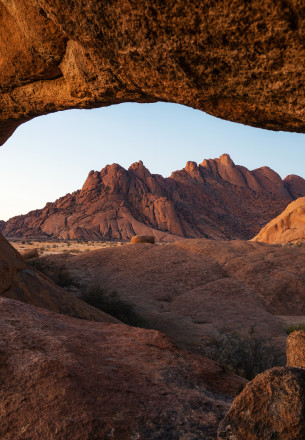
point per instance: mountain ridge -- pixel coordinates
(215, 199)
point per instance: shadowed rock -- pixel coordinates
(25, 284)
(197, 289)
(95, 381)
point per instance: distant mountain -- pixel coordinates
(216, 199)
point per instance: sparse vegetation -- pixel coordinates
(110, 302)
(60, 246)
(295, 327)
(58, 274)
(245, 355)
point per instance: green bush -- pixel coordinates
(110, 303)
(295, 327)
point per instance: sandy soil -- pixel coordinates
(59, 247)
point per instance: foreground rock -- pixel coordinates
(288, 227)
(271, 407)
(215, 57)
(296, 349)
(25, 284)
(28, 255)
(215, 199)
(94, 381)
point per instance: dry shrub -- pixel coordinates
(246, 355)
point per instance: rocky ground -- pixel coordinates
(230, 300)
(196, 291)
(64, 378)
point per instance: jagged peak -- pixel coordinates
(224, 159)
(191, 165)
(112, 167)
(140, 170)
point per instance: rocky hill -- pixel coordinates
(288, 227)
(216, 199)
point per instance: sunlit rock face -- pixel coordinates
(216, 199)
(237, 60)
(288, 227)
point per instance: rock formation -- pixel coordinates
(25, 284)
(64, 378)
(142, 239)
(272, 406)
(240, 61)
(28, 255)
(216, 199)
(295, 349)
(288, 227)
(295, 185)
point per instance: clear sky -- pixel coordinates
(52, 155)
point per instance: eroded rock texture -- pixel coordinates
(271, 407)
(296, 349)
(237, 60)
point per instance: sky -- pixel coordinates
(52, 155)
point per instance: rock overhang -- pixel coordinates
(240, 61)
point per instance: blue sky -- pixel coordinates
(52, 155)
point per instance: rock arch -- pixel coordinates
(238, 60)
